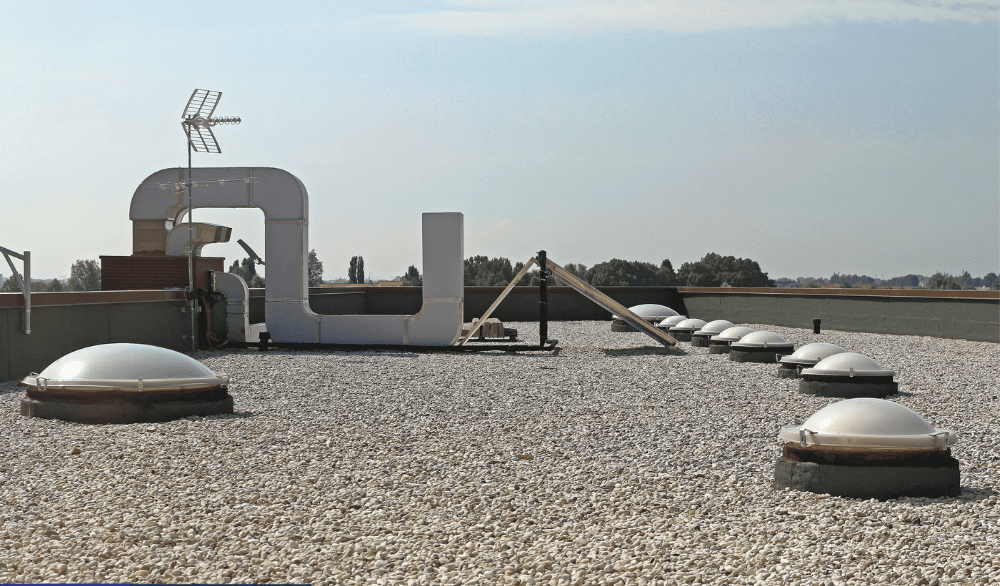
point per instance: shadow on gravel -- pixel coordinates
(644, 351)
(975, 494)
(233, 415)
(968, 494)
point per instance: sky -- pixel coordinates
(813, 136)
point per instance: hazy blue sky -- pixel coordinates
(812, 136)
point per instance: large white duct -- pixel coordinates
(157, 206)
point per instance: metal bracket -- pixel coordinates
(938, 434)
(25, 290)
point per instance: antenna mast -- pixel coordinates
(197, 122)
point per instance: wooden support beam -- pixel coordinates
(610, 304)
(510, 286)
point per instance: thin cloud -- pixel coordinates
(561, 17)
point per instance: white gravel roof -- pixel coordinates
(612, 458)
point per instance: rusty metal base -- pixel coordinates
(849, 387)
(881, 474)
(700, 341)
(126, 408)
(718, 348)
(680, 336)
(764, 355)
(788, 372)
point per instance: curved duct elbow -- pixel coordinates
(177, 238)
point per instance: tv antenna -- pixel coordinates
(197, 122)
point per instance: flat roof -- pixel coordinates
(611, 458)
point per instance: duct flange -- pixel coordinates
(868, 448)
(759, 347)
(701, 338)
(683, 329)
(125, 383)
(847, 375)
(720, 343)
(651, 312)
(805, 357)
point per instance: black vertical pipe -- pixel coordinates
(543, 300)
(816, 322)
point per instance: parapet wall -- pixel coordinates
(521, 304)
(967, 315)
(64, 322)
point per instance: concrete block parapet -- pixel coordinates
(966, 315)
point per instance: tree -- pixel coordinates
(481, 271)
(990, 281)
(356, 271)
(412, 277)
(53, 286)
(578, 270)
(315, 269)
(713, 270)
(85, 275)
(529, 278)
(246, 270)
(838, 279)
(910, 280)
(665, 275)
(11, 285)
(944, 281)
(622, 273)
(966, 280)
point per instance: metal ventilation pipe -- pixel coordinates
(157, 206)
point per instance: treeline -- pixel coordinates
(84, 275)
(965, 281)
(246, 269)
(711, 271)
(936, 281)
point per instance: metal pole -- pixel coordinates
(543, 300)
(27, 292)
(191, 302)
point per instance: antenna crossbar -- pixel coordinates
(201, 104)
(201, 137)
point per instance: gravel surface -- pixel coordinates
(609, 461)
